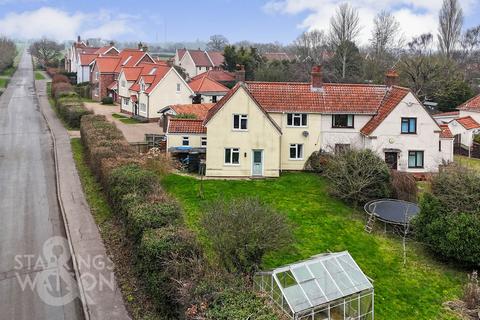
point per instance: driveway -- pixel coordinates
(132, 132)
(31, 226)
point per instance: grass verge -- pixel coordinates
(321, 224)
(3, 82)
(39, 76)
(119, 249)
(52, 104)
(468, 162)
(125, 119)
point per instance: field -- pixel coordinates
(321, 224)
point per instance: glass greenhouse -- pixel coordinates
(327, 286)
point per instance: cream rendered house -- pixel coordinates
(196, 62)
(261, 128)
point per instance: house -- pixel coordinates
(263, 128)
(223, 77)
(104, 71)
(207, 90)
(464, 130)
(277, 56)
(154, 89)
(85, 59)
(471, 108)
(195, 111)
(195, 62)
(71, 54)
(446, 117)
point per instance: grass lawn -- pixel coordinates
(3, 82)
(323, 224)
(39, 76)
(125, 119)
(468, 162)
(8, 72)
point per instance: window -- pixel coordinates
(232, 156)
(240, 121)
(297, 119)
(415, 159)
(126, 101)
(204, 141)
(96, 75)
(342, 121)
(409, 125)
(185, 141)
(178, 87)
(214, 99)
(296, 151)
(142, 86)
(143, 107)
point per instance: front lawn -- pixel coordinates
(323, 224)
(125, 119)
(39, 76)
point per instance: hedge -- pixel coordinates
(144, 216)
(107, 100)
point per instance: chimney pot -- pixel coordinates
(316, 76)
(391, 78)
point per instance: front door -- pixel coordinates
(391, 158)
(135, 108)
(257, 163)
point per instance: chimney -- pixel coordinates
(316, 76)
(79, 39)
(240, 73)
(391, 78)
(87, 43)
(112, 43)
(144, 48)
(140, 46)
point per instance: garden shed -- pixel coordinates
(326, 286)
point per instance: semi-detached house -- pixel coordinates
(263, 128)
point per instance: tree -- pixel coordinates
(47, 52)
(344, 28)
(310, 47)
(247, 57)
(217, 42)
(385, 34)
(8, 51)
(242, 231)
(450, 22)
(274, 71)
(452, 92)
(346, 64)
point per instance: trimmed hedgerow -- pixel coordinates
(144, 216)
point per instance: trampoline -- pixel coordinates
(391, 211)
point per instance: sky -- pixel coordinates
(190, 20)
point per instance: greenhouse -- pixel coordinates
(327, 286)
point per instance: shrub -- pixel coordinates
(60, 88)
(404, 186)
(158, 161)
(358, 176)
(60, 78)
(242, 231)
(72, 114)
(317, 161)
(144, 216)
(107, 100)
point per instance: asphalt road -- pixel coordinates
(29, 212)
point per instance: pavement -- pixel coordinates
(31, 224)
(101, 297)
(134, 133)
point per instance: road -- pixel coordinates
(29, 211)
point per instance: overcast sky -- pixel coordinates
(190, 20)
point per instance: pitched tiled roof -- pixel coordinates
(333, 98)
(447, 114)
(181, 53)
(216, 57)
(151, 79)
(391, 100)
(113, 85)
(276, 56)
(106, 49)
(130, 58)
(87, 58)
(186, 126)
(200, 58)
(217, 75)
(88, 50)
(107, 64)
(200, 110)
(468, 123)
(446, 133)
(206, 85)
(471, 105)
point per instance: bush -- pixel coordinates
(107, 100)
(471, 292)
(72, 114)
(317, 161)
(61, 88)
(358, 176)
(144, 216)
(404, 186)
(60, 78)
(242, 231)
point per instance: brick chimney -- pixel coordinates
(391, 78)
(79, 39)
(140, 46)
(316, 76)
(240, 73)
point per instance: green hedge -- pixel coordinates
(70, 108)
(144, 216)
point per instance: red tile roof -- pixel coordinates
(391, 100)
(207, 85)
(151, 79)
(217, 75)
(107, 64)
(216, 57)
(88, 50)
(87, 58)
(446, 133)
(131, 58)
(200, 58)
(471, 105)
(468, 123)
(199, 110)
(105, 49)
(447, 114)
(181, 53)
(186, 126)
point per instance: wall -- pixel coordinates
(261, 134)
(175, 140)
(83, 74)
(188, 65)
(447, 150)
(388, 136)
(466, 135)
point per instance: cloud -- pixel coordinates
(415, 16)
(61, 25)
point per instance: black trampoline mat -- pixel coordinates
(393, 211)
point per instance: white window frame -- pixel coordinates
(179, 87)
(126, 102)
(240, 118)
(297, 151)
(185, 141)
(203, 141)
(232, 151)
(96, 75)
(300, 117)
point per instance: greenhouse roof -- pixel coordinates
(319, 280)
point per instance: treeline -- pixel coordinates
(8, 51)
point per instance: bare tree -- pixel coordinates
(8, 51)
(217, 42)
(450, 26)
(470, 54)
(386, 33)
(47, 52)
(311, 46)
(344, 28)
